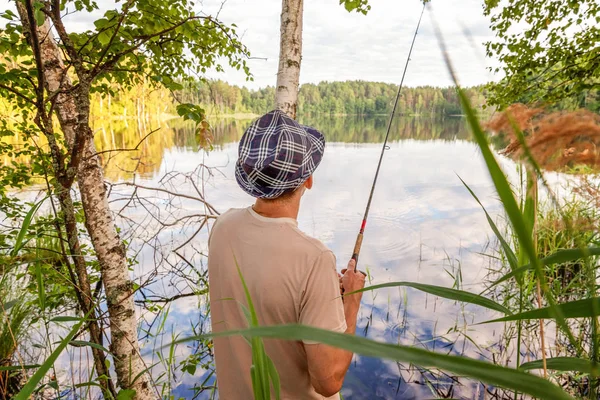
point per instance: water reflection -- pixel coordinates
(145, 149)
(424, 227)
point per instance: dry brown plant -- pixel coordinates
(556, 140)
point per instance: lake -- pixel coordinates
(424, 226)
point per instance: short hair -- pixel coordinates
(286, 195)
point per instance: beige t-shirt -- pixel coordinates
(291, 278)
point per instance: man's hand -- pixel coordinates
(328, 365)
(351, 281)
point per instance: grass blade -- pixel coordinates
(520, 226)
(564, 364)
(19, 241)
(32, 383)
(511, 207)
(493, 374)
(40, 285)
(572, 309)
(447, 293)
(561, 256)
(508, 252)
(80, 343)
(19, 367)
(261, 375)
(274, 376)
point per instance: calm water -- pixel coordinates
(424, 226)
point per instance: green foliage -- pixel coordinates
(563, 364)
(350, 97)
(39, 375)
(573, 309)
(446, 293)
(361, 6)
(165, 41)
(560, 257)
(126, 394)
(493, 374)
(548, 51)
(14, 321)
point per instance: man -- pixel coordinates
(291, 276)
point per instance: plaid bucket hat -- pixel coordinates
(277, 154)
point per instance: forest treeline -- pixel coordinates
(334, 98)
(144, 102)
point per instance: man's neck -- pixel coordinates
(278, 209)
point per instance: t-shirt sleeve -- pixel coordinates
(321, 305)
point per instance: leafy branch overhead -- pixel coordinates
(552, 56)
(166, 41)
(361, 6)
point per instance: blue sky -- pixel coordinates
(339, 45)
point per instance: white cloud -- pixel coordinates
(339, 45)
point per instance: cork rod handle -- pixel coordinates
(357, 246)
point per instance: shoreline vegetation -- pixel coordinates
(220, 100)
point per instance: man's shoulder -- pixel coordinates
(232, 213)
(228, 218)
(235, 217)
(310, 242)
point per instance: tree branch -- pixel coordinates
(126, 8)
(161, 299)
(18, 94)
(143, 39)
(116, 150)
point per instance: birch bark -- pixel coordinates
(290, 57)
(72, 106)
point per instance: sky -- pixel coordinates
(338, 45)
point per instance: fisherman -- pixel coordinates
(291, 276)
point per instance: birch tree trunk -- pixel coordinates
(72, 106)
(290, 57)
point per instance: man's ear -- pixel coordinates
(309, 183)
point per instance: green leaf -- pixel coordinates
(274, 376)
(19, 367)
(40, 17)
(65, 318)
(126, 394)
(19, 242)
(80, 343)
(104, 38)
(9, 304)
(572, 309)
(560, 257)
(447, 293)
(507, 378)
(564, 364)
(100, 23)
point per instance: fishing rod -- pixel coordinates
(359, 238)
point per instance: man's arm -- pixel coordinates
(328, 365)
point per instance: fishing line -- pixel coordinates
(385, 147)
